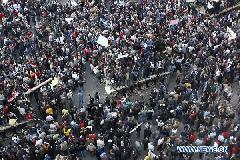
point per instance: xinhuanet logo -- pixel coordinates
(202, 149)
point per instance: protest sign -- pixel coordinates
(120, 56)
(174, 22)
(17, 6)
(103, 41)
(55, 82)
(190, 1)
(209, 5)
(69, 20)
(12, 122)
(75, 76)
(109, 89)
(231, 35)
(5, 1)
(73, 3)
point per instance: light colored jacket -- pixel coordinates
(91, 147)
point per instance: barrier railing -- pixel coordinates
(225, 11)
(7, 131)
(137, 83)
(226, 5)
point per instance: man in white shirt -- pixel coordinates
(159, 143)
(49, 118)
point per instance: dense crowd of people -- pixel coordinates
(136, 39)
(31, 53)
(41, 41)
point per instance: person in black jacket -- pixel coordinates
(145, 143)
(147, 132)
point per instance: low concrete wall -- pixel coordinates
(225, 11)
(141, 82)
(7, 131)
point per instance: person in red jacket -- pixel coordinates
(28, 116)
(192, 137)
(1, 16)
(74, 34)
(92, 137)
(234, 150)
(82, 124)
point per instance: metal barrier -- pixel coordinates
(8, 131)
(223, 12)
(225, 5)
(140, 83)
(231, 3)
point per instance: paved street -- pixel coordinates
(92, 85)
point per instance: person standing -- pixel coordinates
(80, 98)
(97, 97)
(138, 131)
(145, 143)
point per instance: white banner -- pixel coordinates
(5, 1)
(120, 56)
(73, 3)
(17, 6)
(109, 89)
(209, 6)
(103, 41)
(231, 35)
(69, 20)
